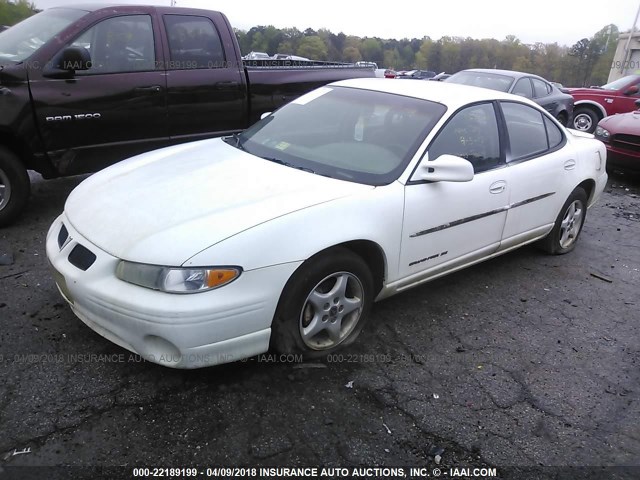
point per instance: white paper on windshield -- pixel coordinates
(309, 97)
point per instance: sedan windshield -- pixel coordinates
(20, 41)
(346, 133)
(493, 81)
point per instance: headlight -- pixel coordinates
(602, 133)
(176, 279)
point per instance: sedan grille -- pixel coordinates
(63, 236)
(627, 142)
(81, 257)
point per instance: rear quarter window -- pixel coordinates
(530, 132)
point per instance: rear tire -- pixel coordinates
(324, 305)
(15, 186)
(563, 118)
(564, 235)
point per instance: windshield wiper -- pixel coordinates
(235, 138)
(287, 164)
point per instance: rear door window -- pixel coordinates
(194, 43)
(523, 88)
(531, 133)
(540, 88)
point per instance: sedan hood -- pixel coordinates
(165, 206)
(628, 123)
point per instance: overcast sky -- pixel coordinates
(544, 21)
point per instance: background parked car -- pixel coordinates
(621, 135)
(549, 97)
(595, 103)
(286, 56)
(418, 75)
(441, 77)
(373, 65)
(388, 73)
(256, 56)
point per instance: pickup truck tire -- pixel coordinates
(585, 119)
(324, 305)
(14, 186)
(564, 235)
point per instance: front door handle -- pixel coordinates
(498, 187)
(150, 89)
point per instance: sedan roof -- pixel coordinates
(452, 95)
(508, 73)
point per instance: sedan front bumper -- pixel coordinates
(179, 331)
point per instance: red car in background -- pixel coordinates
(621, 135)
(595, 103)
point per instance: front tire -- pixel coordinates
(564, 235)
(15, 186)
(585, 119)
(324, 306)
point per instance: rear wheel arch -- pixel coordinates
(566, 229)
(589, 186)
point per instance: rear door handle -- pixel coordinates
(570, 164)
(498, 187)
(150, 89)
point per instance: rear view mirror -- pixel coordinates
(446, 168)
(632, 90)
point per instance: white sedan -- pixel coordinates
(282, 237)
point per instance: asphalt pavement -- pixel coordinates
(526, 360)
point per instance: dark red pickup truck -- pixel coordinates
(593, 104)
(82, 88)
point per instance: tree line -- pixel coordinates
(587, 62)
(13, 12)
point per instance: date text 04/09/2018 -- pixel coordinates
(304, 472)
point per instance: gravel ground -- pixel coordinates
(526, 360)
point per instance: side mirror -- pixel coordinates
(264, 115)
(71, 60)
(632, 90)
(446, 168)
(637, 102)
(75, 58)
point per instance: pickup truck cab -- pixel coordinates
(83, 88)
(595, 103)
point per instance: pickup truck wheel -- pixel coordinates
(14, 186)
(324, 305)
(564, 235)
(585, 119)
